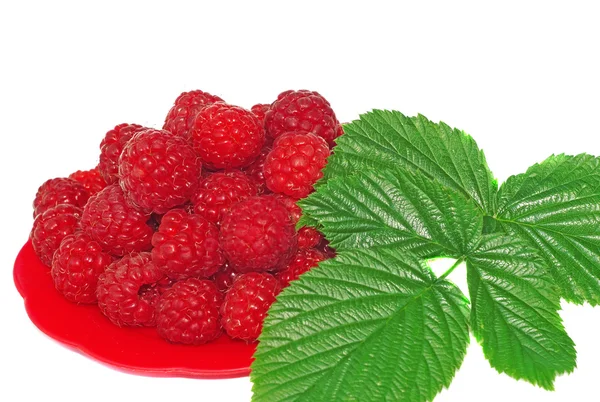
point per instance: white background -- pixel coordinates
(521, 77)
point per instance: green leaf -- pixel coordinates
(307, 220)
(384, 139)
(514, 312)
(399, 209)
(555, 206)
(375, 324)
(370, 325)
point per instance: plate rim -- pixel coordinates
(133, 369)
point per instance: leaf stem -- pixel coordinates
(452, 268)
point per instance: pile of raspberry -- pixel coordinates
(191, 228)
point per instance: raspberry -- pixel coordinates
(219, 191)
(158, 170)
(260, 110)
(255, 171)
(90, 179)
(110, 220)
(309, 238)
(227, 136)
(188, 312)
(76, 266)
(186, 245)
(258, 235)
(59, 191)
(111, 147)
(295, 164)
(128, 290)
(186, 107)
(225, 277)
(302, 111)
(290, 203)
(303, 261)
(246, 304)
(51, 227)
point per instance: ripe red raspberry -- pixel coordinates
(158, 170)
(186, 245)
(260, 110)
(255, 171)
(91, 179)
(76, 266)
(114, 223)
(59, 191)
(188, 312)
(219, 191)
(246, 305)
(51, 227)
(227, 136)
(258, 235)
(303, 261)
(186, 107)
(295, 164)
(309, 238)
(128, 290)
(290, 203)
(302, 111)
(225, 277)
(111, 147)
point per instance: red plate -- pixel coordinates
(135, 350)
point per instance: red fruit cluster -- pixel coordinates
(191, 229)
